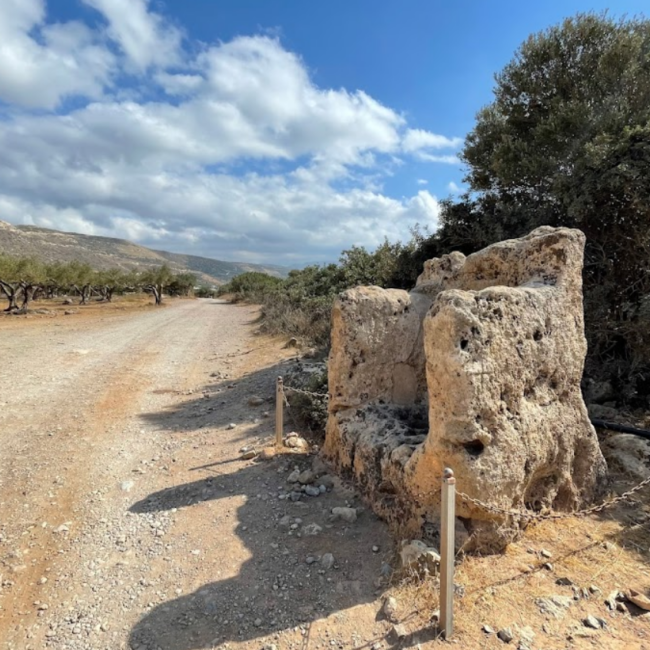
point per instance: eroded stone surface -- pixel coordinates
(493, 345)
(628, 454)
(377, 352)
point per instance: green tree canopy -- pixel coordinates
(566, 142)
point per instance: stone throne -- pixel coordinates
(478, 368)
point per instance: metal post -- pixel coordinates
(279, 412)
(447, 552)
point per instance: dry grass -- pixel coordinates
(54, 308)
(609, 552)
(310, 322)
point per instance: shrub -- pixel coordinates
(251, 286)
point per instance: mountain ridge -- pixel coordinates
(110, 252)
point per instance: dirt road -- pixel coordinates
(128, 519)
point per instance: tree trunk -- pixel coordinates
(29, 291)
(156, 291)
(84, 292)
(11, 293)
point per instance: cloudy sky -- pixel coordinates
(275, 131)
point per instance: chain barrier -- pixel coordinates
(309, 393)
(508, 512)
(285, 401)
(539, 516)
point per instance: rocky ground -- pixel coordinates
(131, 515)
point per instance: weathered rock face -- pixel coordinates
(493, 345)
(386, 324)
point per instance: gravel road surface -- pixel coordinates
(128, 518)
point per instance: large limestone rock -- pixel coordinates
(492, 346)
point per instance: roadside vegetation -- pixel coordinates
(301, 304)
(24, 279)
(565, 142)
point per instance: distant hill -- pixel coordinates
(107, 252)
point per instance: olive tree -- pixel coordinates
(156, 280)
(20, 281)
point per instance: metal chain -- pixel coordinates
(302, 392)
(527, 514)
(509, 512)
(520, 514)
(306, 392)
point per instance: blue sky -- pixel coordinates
(272, 130)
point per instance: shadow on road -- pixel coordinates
(224, 401)
(270, 588)
(276, 589)
(275, 577)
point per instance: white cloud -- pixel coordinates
(21, 15)
(419, 143)
(265, 92)
(144, 36)
(453, 188)
(250, 160)
(417, 139)
(446, 159)
(226, 217)
(41, 64)
(422, 181)
(179, 84)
